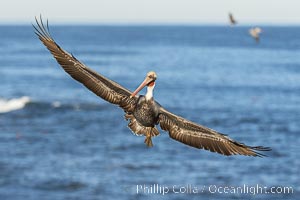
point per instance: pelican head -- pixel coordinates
(149, 81)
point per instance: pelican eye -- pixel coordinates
(152, 77)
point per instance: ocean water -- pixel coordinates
(66, 143)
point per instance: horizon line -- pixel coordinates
(94, 23)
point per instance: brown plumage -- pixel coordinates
(143, 112)
(231, 19)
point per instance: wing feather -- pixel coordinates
(97, 83)
(201, 137)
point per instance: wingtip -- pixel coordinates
(42, 30)
(260, 148)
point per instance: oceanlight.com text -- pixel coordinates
(213, 189)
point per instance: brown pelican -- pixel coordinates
(254, 32)
(143, 112)
(232, 20)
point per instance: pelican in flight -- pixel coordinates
(232, 20)
(255, 32)
(142, 111)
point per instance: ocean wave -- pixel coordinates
(63, 106)
(8, 105)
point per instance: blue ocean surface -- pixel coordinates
(67, 143)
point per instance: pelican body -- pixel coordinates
(146, 112)
(142, 111)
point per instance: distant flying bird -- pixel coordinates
(143, 112)
(255, 32)
(232, 20)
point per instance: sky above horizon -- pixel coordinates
(282, 12)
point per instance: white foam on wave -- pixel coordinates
(56, 104)
(7, 105)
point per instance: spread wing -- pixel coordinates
(97, 83)
(201, 137)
